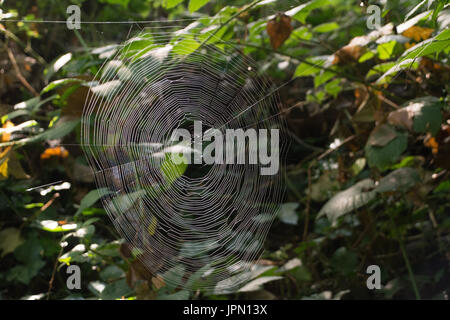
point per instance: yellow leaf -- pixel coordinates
(418, 33)
(5, 137)
(4, 168)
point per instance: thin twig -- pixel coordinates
(50, 283)
(308, 203)
(19, 74)
(331, 150)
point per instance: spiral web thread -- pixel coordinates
(204, 228)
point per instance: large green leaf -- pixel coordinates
(186, 46)
(384, 156)
(400, 180)
(388, 50)
(29, 254)
(10, 239)
(116, 290)
(61, 129)
(326, 27)
(348, 200)
(91, 198)
(427, 115)
(172, 171)
(313, 66)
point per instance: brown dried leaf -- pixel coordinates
(348, 54)
(279, 30)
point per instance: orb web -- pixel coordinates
(196, 225)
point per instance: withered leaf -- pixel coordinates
(348, 54)
(279, 30)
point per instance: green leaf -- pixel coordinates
(172, 171)
(116, 290)
(123, 3)
(56, 65)
(427, 114)
(301, 12)
(186, 46)
(380, 68)
(348, 200)
(218, 31)
(417, 7)
(61, 129)
(384, 156)
(25, 273)
(326, 27)
(169, 4)
(311, 68)
(394, 68)
(443, 187)
(14, 114)
(366, 56)
(323, 77)
(441, 4)
(388, 50)
(420, 115)
(358, 166)
(139, 44)
(288, 213)
(344, 261)
(194, 5)
(400, 180)
(173, 277)
(124, 202)
(53, 226)
(91, 198)
(111, 273)
(29, 253)
(382, 135)
(10, 239)
(301, 33)
(198, 278)
(59, 83)
(333, 88)
(28, 104)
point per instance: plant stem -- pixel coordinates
(399, 237)
(410, 271)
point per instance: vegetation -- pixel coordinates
(367, 179)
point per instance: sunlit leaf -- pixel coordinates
(195, 5)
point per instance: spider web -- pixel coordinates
(198, 226)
